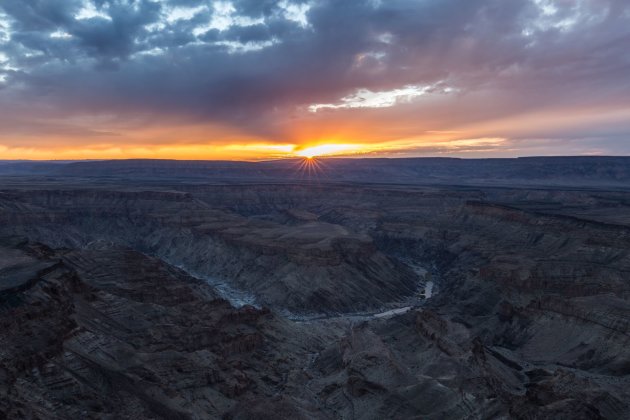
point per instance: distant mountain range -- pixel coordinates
(569, 170)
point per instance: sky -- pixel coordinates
(266, 79)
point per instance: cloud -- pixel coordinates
(261, 65)
(364, 98)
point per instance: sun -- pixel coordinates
(330, 149)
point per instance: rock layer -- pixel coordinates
(530, 319)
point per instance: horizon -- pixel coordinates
(323, 157)
(251, 81)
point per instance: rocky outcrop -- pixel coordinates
(116, 333)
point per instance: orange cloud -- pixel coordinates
(381, 132)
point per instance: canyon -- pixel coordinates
(161, 290)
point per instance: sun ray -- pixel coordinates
(310, 168)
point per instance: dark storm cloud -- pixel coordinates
(256, 63)
(33, 22)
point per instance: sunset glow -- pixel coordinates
(329, 150)
(239, 80)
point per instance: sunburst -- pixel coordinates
(310, 168)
